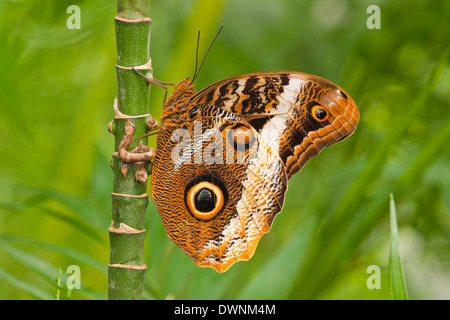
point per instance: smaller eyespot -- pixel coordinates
(241, 136)
(319, 113)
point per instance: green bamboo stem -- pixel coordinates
(126, 268)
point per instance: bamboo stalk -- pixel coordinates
(126, 268)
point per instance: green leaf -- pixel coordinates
(33, 291)
(74, 254)
(396, 277)
(49, 273)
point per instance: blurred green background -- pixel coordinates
(57, 88)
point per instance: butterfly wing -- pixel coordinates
(216, 195)
(283, 107)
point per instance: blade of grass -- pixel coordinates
(339, 238)
(381, 153)
(54, 276)
(397, 283)
(31, 261)
(84, 210)
(427, 155)
(38, 202)
(24, 286)
(66, 251)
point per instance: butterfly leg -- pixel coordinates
(151, 80)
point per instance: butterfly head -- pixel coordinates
(177, 104)
(182, 92)
(185, 86)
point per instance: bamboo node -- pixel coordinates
(147, 66)
(144, 195)
(119, 115)
(127, 266)
(124, 229)
(139, 20)
(110, 129)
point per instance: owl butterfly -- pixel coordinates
(225, 154)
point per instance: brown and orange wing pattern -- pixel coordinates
(218, 196)
(296, 113)
(225, 154)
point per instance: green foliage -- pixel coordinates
(396, 277)
(57, 91)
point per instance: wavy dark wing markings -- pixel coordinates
(283, 100)
(254, 201)
(254, 214)
(275, 100)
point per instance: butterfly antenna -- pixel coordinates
(207, 52)
(196, 57)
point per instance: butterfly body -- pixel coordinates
(225, 154)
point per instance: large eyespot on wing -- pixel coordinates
(205, 199)
(217, 212)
